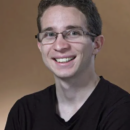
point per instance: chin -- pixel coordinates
(64, 75)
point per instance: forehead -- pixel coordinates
(59, 17)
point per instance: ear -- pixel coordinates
(98, 43)
(39, 46)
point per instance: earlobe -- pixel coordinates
(98, 43)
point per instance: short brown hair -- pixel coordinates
(87, 7)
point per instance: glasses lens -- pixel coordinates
(74, 35)
(47, 37)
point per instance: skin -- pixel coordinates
(75, 80)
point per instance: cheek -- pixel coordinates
(86, 52)
(45, 51)
(83, 48)
(88, 47)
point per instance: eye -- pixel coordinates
(49, 34)
(74, 33)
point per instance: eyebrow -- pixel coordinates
(47, 29)
(67, 27)
(73, 27)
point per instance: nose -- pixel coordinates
(61, 45)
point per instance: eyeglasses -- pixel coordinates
(72, 35)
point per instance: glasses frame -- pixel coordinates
(64, 32)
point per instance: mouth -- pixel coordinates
(64, 60)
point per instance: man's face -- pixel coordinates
(56, 55)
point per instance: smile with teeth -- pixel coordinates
(63, 60)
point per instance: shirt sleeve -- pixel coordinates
(117, 119)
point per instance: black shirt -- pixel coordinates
(107, 108)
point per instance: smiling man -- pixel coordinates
(69, 38)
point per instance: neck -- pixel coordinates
(76, 89)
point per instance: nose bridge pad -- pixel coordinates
(62, 34)
(60, 45)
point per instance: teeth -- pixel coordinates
(64, 59)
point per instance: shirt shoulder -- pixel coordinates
(114, 94)
(26, 110)
(115, 107)
(38, 98)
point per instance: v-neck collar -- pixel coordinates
(91, 99)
